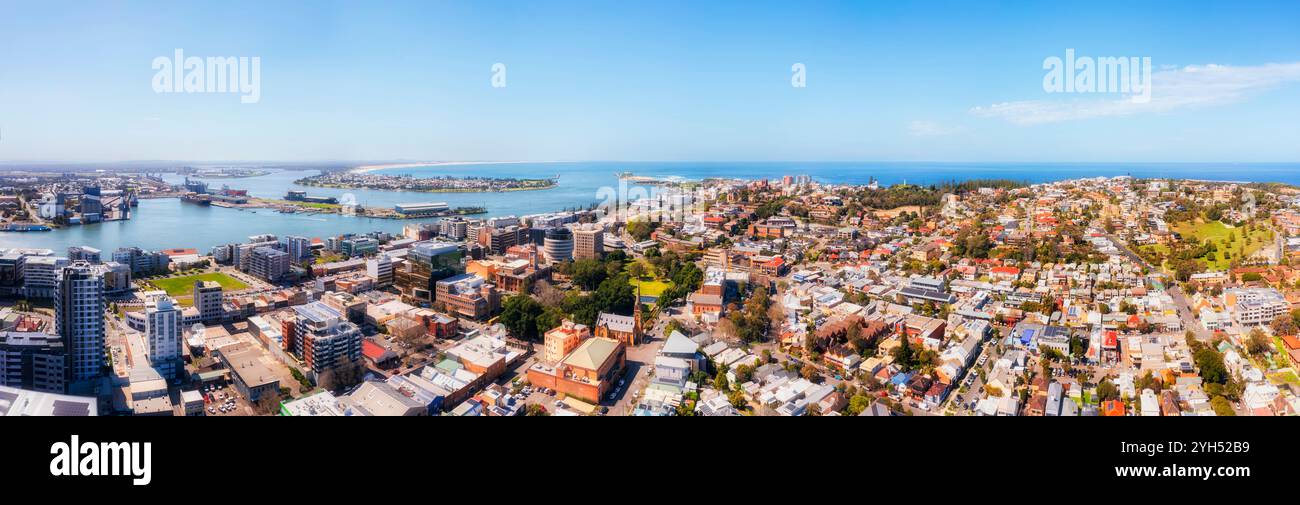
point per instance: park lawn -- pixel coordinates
(1213, 230)
(184, 285)
(1219, 232)
(650, 287)
(1160, 248)
(1285, 378)
(1279, 353)
(329, 258)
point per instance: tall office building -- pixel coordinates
(243, 253)
(455, 228)
(588, 242)
(207, 298)
(359, 246)
(425, 265)
(299, 248)
(497, 240)
(559, 244)
(79, 319)
(163, 334)
(142, 261)
(323, 338)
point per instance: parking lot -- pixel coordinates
(223, 401)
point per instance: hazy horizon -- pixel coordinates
(654, 82)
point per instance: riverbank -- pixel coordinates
(309, 208)
(163, 222)
(431, 190)
(435, 184)
(230, 175)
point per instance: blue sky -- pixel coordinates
(942, 81)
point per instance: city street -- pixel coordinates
(640, 367)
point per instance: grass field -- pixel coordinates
(1285, 378)
(1219, 233)
(184, 285)
(650, 288)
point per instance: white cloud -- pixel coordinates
(930, 129)
(1190, 86)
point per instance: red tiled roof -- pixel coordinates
(372, 350)
(1111, 339)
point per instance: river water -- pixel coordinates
(168, 223)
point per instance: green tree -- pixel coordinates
(673, 325)
(1258, 344)
(640, 229)
(1284, 324)
(550, 318)
(587, 273)
(636, 269)
(1222, 407)
(857, 404)
(1211, 364)
(1107, 391)
(519, 315)
(720, 381)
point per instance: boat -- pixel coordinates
(197, 199)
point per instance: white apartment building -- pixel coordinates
(40, 275)
(1254, 306)
(380, 268)
(207, 298)
(163, 333)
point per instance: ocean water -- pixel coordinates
(167, 223)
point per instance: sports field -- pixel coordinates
(184, 285)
